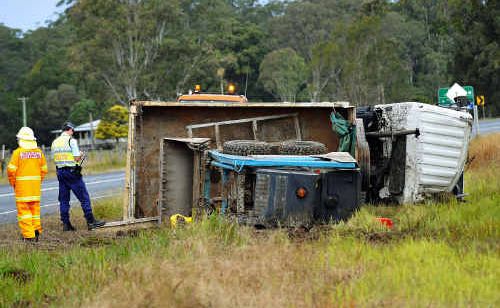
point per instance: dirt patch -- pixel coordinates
(314, 233)
(45, 301)
(94, 241)
(19, 275)
(378, 237)
(22, 304)
(382, 237)
(53, 238)
(128, 233)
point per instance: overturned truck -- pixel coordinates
(250, 160)
(176, 163)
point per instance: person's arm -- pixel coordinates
(43, 167)
(12, 168)
(75, 150)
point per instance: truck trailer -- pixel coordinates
(157, 186)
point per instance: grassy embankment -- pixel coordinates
(96, 162)
(437, 254)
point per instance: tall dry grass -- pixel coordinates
(276, 271)
(484, 152)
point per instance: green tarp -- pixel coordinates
(346, 132)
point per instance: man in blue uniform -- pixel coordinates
(67, 157)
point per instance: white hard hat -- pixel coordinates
(26, 133)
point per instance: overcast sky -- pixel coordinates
(28, 14)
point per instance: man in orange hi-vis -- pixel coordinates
(26, 170)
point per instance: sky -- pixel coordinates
(31, 14)
(28, 14)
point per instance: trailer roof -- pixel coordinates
(244, 105)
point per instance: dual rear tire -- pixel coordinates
(252, 147)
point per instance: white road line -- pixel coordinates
(57, 187)
(57, 203)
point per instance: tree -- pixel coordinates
(80, 111)
(114, 124)
(374, 70)
(119, 41)
(283, 72)
(314, 25)
(52, 110)
(48, 81)
(13, 64)
(428, 44)
(477, 55)
(214, 36)
(364, 59)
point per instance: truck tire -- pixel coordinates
(246, 147)
(302, 148)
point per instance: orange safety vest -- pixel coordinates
(26, 170)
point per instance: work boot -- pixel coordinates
(94, 223)
(67, 226)
(29, 240)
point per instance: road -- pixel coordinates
(99, 186)
(489, 126)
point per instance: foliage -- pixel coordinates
(282, 72)
(114, 124)
(80, 112)
(477, 54)
(119, 41)
(55, 108)
(13, 63)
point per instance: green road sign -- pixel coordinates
(443, 100)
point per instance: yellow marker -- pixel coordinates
(231, 88)
(179, 219)
(480, 100)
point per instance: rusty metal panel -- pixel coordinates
(156, 120)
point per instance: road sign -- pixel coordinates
(456, 91)
(443, 100)
(480, 100)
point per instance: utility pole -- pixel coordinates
(23, 99)
(2, 160)
(91, 121)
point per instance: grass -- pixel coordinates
(437, 254)
(96, 162)
(484, 150)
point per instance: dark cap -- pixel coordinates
(68, 125)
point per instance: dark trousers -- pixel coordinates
(70, 181)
